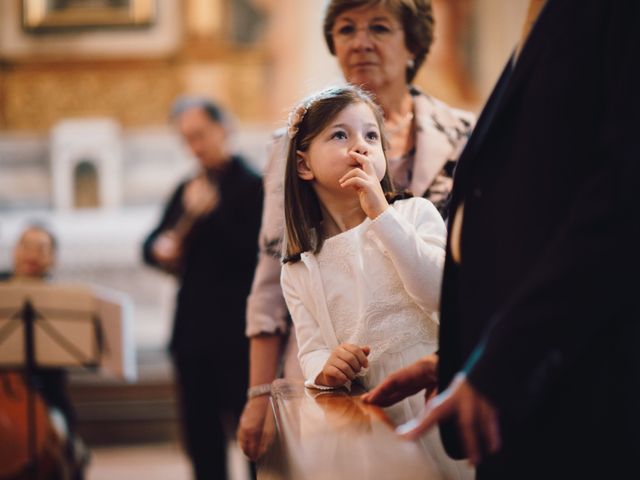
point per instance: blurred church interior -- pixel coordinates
(86, 146)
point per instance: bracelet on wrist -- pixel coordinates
(259, 391)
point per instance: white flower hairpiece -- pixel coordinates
(295, 117)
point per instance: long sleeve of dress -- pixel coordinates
(413, 236)
(313, 352)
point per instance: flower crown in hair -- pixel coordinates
(295, 117)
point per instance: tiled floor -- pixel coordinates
(160, 462)
(154, 461)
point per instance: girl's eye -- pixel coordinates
(373, 135)
(340, 135)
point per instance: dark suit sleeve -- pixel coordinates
(567, 303)
(170, 216)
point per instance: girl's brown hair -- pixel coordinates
(303, 216)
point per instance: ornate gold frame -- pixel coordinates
(38, 15)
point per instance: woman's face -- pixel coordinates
(370, 48)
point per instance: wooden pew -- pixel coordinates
(333, 435)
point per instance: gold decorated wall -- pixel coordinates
(37, 95)
(126, 75)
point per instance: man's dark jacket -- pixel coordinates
(541, 313)
(216, 275)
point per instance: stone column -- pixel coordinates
(300, 60)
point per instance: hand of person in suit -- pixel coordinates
(407, 381)
(477, 418)
(345, 362)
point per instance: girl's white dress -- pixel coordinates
(377, 284)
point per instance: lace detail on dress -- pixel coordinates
(341, 256)
(392, 322)
(378, 311)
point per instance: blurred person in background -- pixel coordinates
(207, 239)
(34, 257)
(380, 45)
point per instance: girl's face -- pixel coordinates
(327, 159)
(370, 48)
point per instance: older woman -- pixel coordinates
(379, 45)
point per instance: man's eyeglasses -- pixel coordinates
(377, 32)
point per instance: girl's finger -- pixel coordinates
(356, 172)
(364, 161)
(334, 372)
(357, 183)
(345, 368)
(349, 358)
(358, 353)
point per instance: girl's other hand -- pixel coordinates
(364, 180)
(343, 365)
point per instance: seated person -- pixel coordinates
(33, 259)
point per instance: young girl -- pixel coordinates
(361, 276)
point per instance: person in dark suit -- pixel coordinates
(207, 237)
(539, 359)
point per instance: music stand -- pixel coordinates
(115, 311)
(47, 325)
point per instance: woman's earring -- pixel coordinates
(411, 64)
